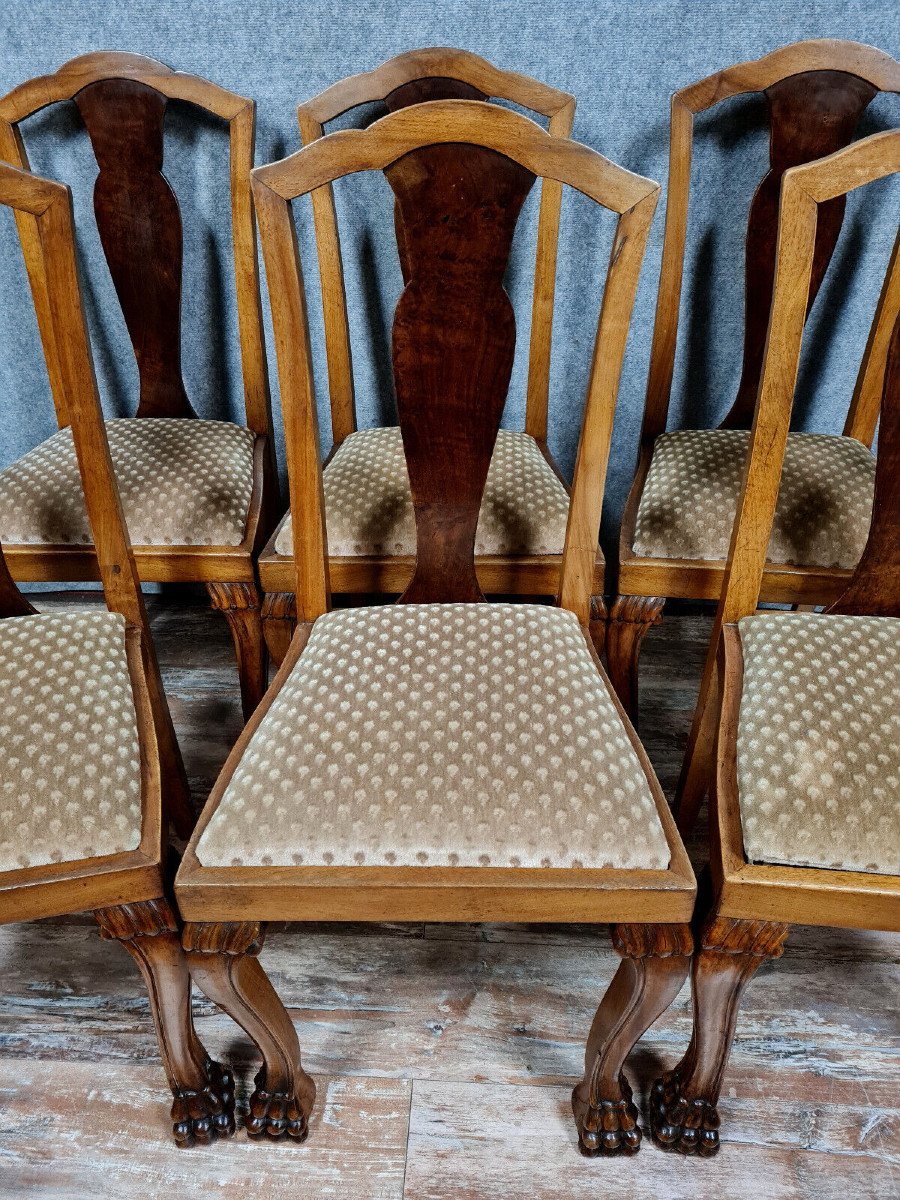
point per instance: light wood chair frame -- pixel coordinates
(643, 583)
(126, 891)
(229, 572)
(225, 907)
(499, 574)
(754, 904)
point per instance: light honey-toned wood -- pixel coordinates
(862, 419)
(583, 526)
(469, 121)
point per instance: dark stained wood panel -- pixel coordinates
(453, 344)
(139, 222)
(418, 91)
(810, 115)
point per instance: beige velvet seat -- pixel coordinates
(818, 746)
(182, 482)
(441, 735)
(688, 502)
(70, 772)
(368, 505)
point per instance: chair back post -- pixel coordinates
(435, 70)
(805, 190)
(425, 378)
(816, 92)
(862, 417)
(122, 99)
(49, 205)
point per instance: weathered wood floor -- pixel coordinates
(444, 1054)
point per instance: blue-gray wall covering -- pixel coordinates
(621, 60)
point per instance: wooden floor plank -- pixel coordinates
(472, 1142)
(103, 1130)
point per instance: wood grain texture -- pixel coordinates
(811, 114)
(139, 223)
(483, 1023)
(453, 346)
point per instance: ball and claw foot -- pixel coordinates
(275, 1114)
(610, 1127)
(676, 1123)
(201, 1116)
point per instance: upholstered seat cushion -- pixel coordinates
(368, 506)
(692, 488)
(818, 746)
(70, 778)
(182, 483)
(440, 734)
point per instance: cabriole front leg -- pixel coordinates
(655, 963)
(683, 1109)
(204, 1093)
(223, 961)
(241, 605)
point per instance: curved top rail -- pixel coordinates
(434, 62)
(822, 54)
(35, 94)
(472, 122)
(28, 193)
(859, 163)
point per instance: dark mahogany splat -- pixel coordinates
(810, 115)
(875, 586)
(140, 228)
(418, 92)
(453, 343)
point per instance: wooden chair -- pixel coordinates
(442, 759)
(805, 821)
(213, 496)
(676, 523)
(367, 498)
(81, 825)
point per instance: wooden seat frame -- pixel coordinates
(816, 91)
(413, 77)
(754, 904)
(445, 379)
(122, 99)
(125, 891)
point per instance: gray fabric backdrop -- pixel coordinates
(621, 60)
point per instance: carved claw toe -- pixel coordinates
(276, 1115)
(202, 1115)
(609, 1126)
(679, 1124)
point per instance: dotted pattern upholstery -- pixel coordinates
(441, 734)
(70, 777)
(182, 483)
(692, 489)
(368, 505)
(818, 747)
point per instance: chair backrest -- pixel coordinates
(49, 207)
(874, 587)
(412, 78)
(816, 92)
(122, 101)
(452, 337)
